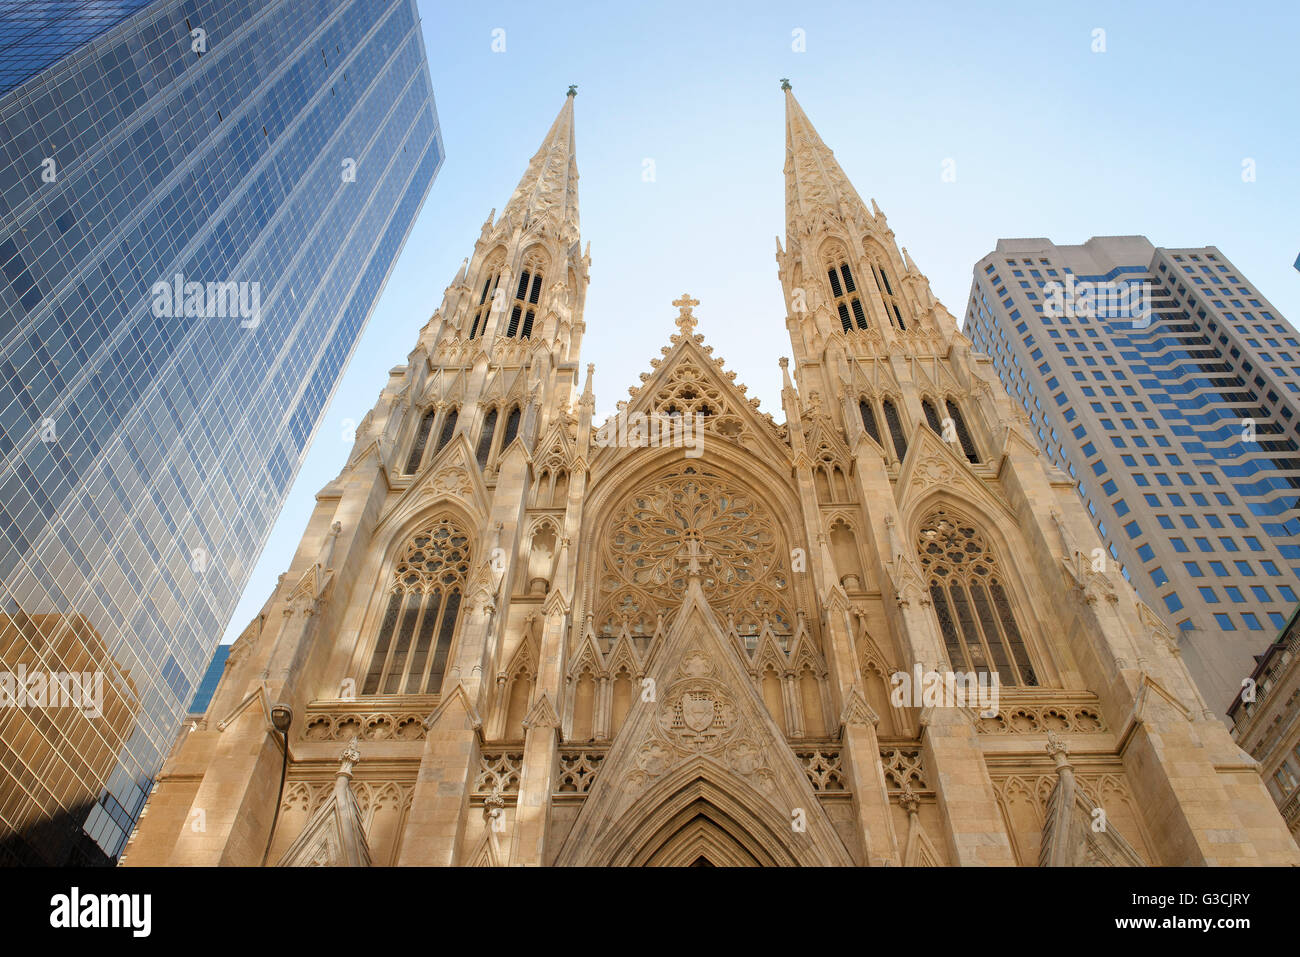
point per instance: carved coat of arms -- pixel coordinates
(698, 710)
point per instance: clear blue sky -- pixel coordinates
(1048, 139)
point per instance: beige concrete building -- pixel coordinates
(1266, 720)
(692, 635)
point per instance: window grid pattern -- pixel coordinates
(179, 436)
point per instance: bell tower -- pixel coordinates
(853, 298)
(390, 625)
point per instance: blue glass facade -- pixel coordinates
(198, 210)
(35, 34)
(211, 678)
(1179, 428)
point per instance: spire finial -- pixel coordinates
(573, 90)
(785, 83)
(685, 319)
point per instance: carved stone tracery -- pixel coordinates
(741, 549)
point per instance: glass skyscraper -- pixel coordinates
(1176, 415)
(200, 202)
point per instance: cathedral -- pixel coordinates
(879, 632)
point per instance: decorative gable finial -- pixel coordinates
(694, 550)
(350, 756)
(685, 319)
(573, 90)
(785, 83)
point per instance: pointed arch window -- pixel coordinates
(881, 274)
(512, 427)
(421, 440)
(931, 416)
(869, 419)
(845, 297)
(483, 310)
(895, 426)
(970, 599)
(485, 438)
(420, 616)
(963, 434)
(527, 294)
(447, 431)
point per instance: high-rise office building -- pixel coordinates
(200, 203)
(1168, 387)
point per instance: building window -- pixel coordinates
(447, 431)
(892, 309)
(931, 416)
(483, 310)
(895, 426)
(421, 440)
(419, 621)
(974, 610)
(869, 419)
(512, 427)
(524, 308)
(485, 438)
(844, 295)
(963, 434)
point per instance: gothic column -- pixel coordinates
(859, 746)
(435, 827)
(541, 740)
(953, 757)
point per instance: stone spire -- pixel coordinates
(549, 187)
(813, 179)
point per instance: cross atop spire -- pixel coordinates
(785, 83)
(685, 318)
(549, 187)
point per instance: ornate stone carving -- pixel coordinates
(499, 772)
(452, 480)
(933, 471)
(903, 767)
(1035, 719)
(697, 713)
(542, 714)
(857, 710)
(746, 571)
(365, 725)
(578, 770)
(823, 768)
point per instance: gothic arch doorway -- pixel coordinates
(701, 835)
(701, 816)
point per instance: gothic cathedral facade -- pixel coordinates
(515, 636)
